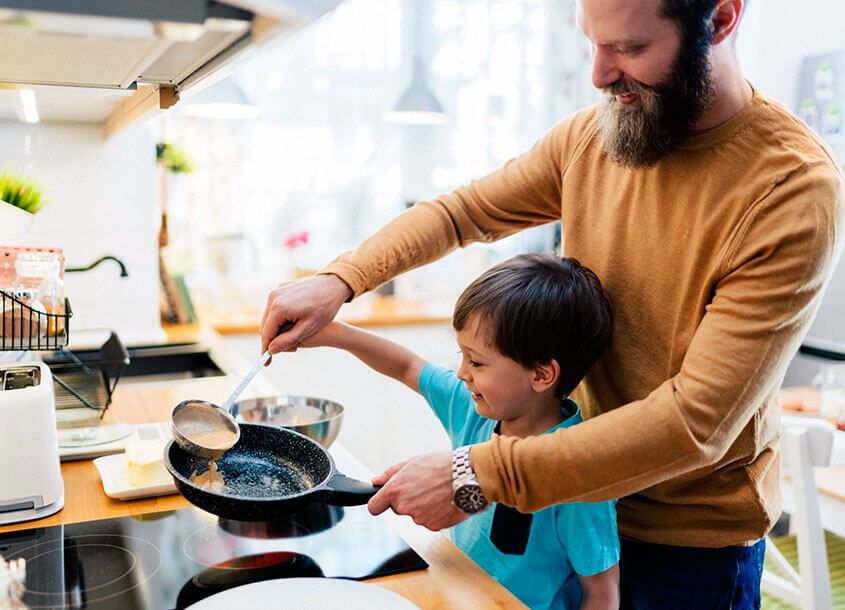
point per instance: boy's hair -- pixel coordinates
(540, 307)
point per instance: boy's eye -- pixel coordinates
(472, 363)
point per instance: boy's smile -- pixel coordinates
(502, 388)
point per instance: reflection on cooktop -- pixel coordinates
(171, 560)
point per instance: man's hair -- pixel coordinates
(538, 308)
(694, 19)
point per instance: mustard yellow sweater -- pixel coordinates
(715, 261)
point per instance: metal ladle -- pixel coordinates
(206, 430)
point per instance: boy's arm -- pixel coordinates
(386, 357)
(600, 591)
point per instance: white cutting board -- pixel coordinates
(306, 594)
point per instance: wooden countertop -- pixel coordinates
(831, 481)
(806, 401)
(366, 311)
(452, 580)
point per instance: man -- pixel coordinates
(709, 213)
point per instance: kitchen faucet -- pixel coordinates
(123, 272)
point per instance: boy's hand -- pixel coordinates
(325, 337)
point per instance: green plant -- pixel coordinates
(173, 158)
(22, 193)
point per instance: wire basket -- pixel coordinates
(85, 382)
(23, 328)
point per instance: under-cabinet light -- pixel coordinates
(30, 107)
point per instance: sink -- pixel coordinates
(170, 362)
(85, 379)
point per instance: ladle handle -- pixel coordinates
(227, 406)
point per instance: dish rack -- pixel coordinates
(21, 326)
(83, 385)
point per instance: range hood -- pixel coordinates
(114, 52)
(159, 49)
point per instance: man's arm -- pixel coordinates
(600, 591)
(381, 355)
(773, 281)
(524, 193)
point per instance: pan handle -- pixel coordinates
(342, 490)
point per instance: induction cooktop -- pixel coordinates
(173, 559)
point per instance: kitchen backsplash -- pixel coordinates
(102, 201)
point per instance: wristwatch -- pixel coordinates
(466, 491)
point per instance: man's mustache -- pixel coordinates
(629, 86)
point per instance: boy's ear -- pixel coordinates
(546, 376)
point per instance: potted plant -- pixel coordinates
(172, 160)
(20, 199)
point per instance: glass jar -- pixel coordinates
(31, 268)
(52, 297)
(7, 270)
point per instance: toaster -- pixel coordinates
(31, 484)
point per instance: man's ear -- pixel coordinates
(726, 18)
(545, 376)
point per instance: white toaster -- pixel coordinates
(31, 484)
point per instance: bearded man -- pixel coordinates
(710, 214)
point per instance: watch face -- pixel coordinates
(469, 498)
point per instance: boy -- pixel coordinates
(528, 329)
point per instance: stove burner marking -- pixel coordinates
(80, 542)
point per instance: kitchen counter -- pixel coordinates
(830, 481)
(451, 581)
(367, 310)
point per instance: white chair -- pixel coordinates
(805, 442)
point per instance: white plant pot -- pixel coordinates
(14, 223)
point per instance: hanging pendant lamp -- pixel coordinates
(417, 105)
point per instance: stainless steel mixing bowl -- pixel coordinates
(316, 418)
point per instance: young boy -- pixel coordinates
(528, 329)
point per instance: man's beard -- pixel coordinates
(664, 117)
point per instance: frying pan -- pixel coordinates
(269, 473)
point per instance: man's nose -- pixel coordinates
(605, 69)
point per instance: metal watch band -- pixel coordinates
(461, 467)
(466, 490)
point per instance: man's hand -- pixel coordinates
(305, 306)
(420, 488)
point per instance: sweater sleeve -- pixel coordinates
(525, 192)
(772, 279)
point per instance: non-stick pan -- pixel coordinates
(270, 472)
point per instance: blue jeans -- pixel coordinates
(659, 577)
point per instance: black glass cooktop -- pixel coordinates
(173, 559)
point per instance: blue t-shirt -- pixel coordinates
(538, 556)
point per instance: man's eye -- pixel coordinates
(628, 50)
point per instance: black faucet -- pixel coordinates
(123, 272)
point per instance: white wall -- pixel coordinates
(776, 34)
(103, 200)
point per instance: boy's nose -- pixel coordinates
(462, 372)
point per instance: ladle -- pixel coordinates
(206, 430)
